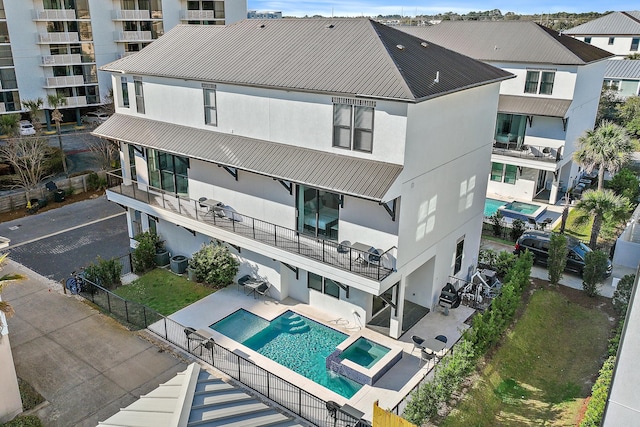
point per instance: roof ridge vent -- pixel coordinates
(262, 26)
(399, 46)
(437, 79)
(424, 44)
(330, 26)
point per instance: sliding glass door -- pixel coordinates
(318, 212)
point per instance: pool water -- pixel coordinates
(364, 352)
(523, 208)
(293, 341)
(491, 206)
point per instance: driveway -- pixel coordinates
(86, 365)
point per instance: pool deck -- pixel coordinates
(388, 390)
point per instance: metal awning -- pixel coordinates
(533, 106)
(342, 174)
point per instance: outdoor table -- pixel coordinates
(433, 345)
(363, 251)
(212, 205)
(252, 285)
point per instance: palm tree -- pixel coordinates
(9, 124)
(600, 205)
(34, 106)
(607, 148)
(5, 307)
(54, 102)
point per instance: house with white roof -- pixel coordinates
(339, 159)
(542, 111)
(616, 32)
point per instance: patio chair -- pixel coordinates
(425, 356)
(191, 335)
(442, 338)
(263, 289)
(417, 342)
(332, 408)
(244, 279)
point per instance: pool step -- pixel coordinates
(298, 329)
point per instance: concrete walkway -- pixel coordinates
(86, 365)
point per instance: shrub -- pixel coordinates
(625, 183)
(504, 262)
(497, 223)
(214, 264)
(599, 393)
(24, 421)
(487, 258)
(93, 181)
(557, 260)
(595, 267)
(144, 255)
(517, 228)
(103, 272)
(622, 294)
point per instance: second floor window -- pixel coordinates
(137, 81)
(124, 87)
(539, 82)
(210, 112)
(353, 127)
(611, 40)
(634, 43)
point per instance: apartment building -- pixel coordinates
(344, 165)
(542, 112)
(616, 32)
(57, 46)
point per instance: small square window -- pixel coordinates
(587, 40)
(611, 40)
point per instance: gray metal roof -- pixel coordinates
(534, 106)
(338, 173)
(615, 23)
(623, 69)
(197, 398)
(353, 57)
(509, 41)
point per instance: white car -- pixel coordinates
(95, 118)
(26, 128)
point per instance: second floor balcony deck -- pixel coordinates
(372, 265)
(526, 151)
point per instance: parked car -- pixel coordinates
(537, 242)
(95, 118)
(26, 128)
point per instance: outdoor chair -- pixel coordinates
(332, 408)
(417, 342)
(425, 356)
(263, 289)
(442, 338)
(244, 279)
(191, 335)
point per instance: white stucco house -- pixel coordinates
(616, 32)
(342, 160)
(542, 111)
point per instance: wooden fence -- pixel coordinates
(18, 199)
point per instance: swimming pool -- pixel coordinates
(521, 210)
(491, 206)
(292, 340)
(364, 352)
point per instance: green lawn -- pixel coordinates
(543, 371)
(164, 291)
(582, 232)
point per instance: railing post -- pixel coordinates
(144, 315)
(268, 386)
(166, 331)
(233, 223)
(275, 235)
(163, 203)
(323, 250)
(238, 362)
(299, 401)
(126, 310)
(298, 236)
(253, 227)
(109, 302)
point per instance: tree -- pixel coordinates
(595, 267)
(104, 150)
(557, 260)
(214, 264)
(625, 183)
(608, 106)
(629, 112)
(622, 294)
(607, 148)
(9, 124)
(34, 106)
(108, 105)
(600, 205)
(28, 156)
(54, 102)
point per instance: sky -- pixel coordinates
(413, 7)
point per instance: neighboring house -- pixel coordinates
(623, 77)
(543, 111)
(57, 46)
(266, 14)
(340, 159)
(617, 32)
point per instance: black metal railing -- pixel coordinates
(273, 387)
(536, 152)
(372, 265)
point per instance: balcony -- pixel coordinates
(76, 101)
(55, 15)
(526, 151)
(201, 15)
(131, 15)
(318, 249)
(65, 81)
(59, 38)
(133, 36)
(61, 59)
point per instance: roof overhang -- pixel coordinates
(533, 106)
(342, 174)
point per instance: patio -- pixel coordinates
(389, 390)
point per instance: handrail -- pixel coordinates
(317, 248)
(523, 150)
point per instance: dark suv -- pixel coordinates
(537, 242)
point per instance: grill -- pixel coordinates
(448, 298)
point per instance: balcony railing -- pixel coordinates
(64, 81)
(76, 101)
(201, 15)
(59, 38)
(131, 15)
(56, 15)
(128, 36)
(62, 59)
(526, 151)
(363, 263)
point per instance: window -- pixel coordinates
(210, 112)
(132, 162)
(634, 44)
(353, 124)
(540, 82)
(458, 261)
(611, 84)
(501, 172)
(168, 172)
(611, 40)
(125, 92)
(137, 81)
(324, 285)
(510, 129)
(587, 40)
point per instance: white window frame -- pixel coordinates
(139, 91)
(210, 111)
(539, 81)
(355, 106)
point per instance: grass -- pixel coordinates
(582, 232)
(543, 371)
(163, 291)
